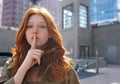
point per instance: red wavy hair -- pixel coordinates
(54, 50)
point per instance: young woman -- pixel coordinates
(39, 55)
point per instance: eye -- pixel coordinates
(42, 26)
(29, 26)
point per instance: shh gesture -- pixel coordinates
(33, 56)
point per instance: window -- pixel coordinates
(118, 8)
(83, 16)
(104, 12)
(68, 16)
(84, 52)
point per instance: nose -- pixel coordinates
(35, 31)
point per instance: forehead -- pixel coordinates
(36, 17)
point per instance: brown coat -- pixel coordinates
(72, 78)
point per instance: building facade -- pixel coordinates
(1, 2)
(13, 11)
(84, 41)
(75, 28)
(105, 12)
(53, 6)
(106, 40)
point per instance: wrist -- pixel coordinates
(19, 76)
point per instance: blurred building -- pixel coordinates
(75, 28)
(13, 11)
(53, 6)
(84, 41)
(106, 40)
(105, 12)
(1, 2)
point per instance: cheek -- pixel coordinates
(43, 38)
(46, 39)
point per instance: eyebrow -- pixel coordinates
(32, 22)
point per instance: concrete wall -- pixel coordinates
(7, 40)
(85, 39)
(75, 36)
(70, 34)
(84, 34)
(70, 41)
(106, 39)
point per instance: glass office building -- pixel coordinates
(105, 12)
(13, 12)
(68, 16)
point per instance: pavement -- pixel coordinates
(106, 75)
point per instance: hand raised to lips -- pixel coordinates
(33, 47)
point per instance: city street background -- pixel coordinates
(90, 30)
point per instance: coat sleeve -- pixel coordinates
(4, 76)
(73, 77)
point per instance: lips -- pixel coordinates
(36, 37)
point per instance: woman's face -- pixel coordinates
(37, 27)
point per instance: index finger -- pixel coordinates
(33, 45)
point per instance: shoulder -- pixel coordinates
(73, 77)
(71, 62)
(71, 67)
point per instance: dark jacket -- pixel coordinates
(72, 77)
